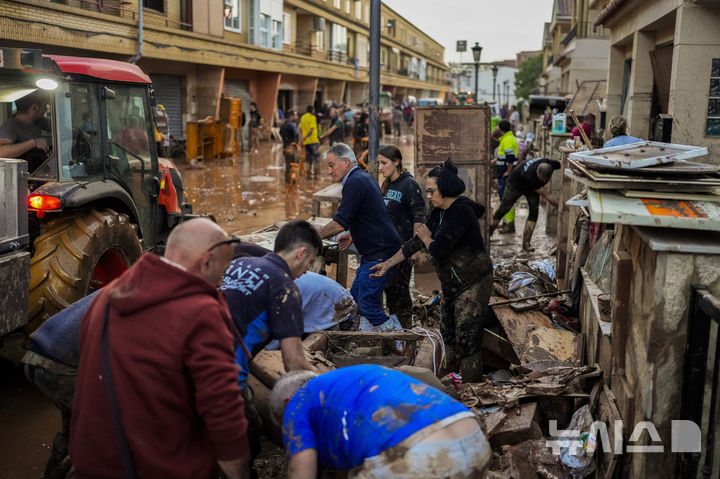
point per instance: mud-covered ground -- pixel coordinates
(244, 194)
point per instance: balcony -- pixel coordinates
(337, 56)
(128, 10)
(584, 30)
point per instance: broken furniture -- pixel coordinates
(661, 254)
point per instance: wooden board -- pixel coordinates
(599, 180)
(671, 195)
(533, 336)
(460, 133)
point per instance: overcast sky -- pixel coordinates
(502, 27)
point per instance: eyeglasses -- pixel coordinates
(430, 191)
(231, 240)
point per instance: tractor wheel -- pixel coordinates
(76, 255)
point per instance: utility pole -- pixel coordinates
(374, 130)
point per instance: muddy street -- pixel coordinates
(244, 194)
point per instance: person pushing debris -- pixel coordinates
(527, 179)
(375, 422)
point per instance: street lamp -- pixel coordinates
(505, 88)
(477, 50)
(494, 70)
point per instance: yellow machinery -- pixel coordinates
(210, 138)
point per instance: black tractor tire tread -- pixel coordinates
(66, 253)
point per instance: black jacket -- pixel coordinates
(457, 249)
(405, 204)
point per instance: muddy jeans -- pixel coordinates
(465, 457)
(60, 388)
(462, 326)
(397, 293)
(290, 160)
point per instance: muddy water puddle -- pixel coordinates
(248, 192)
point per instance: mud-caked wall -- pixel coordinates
(660, 289)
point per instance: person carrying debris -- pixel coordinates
(156, 392)
(452, 236)
(265, 304)
(375, 422)
(527, 179)
(507, 155)
(362, 211)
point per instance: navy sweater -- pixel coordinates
(362, 211)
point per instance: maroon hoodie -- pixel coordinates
(171, 353)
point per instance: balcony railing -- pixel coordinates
(124, 9)
(584, 30)
(336, 56)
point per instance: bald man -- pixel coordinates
(156, 391)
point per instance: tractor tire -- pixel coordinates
(75, 255)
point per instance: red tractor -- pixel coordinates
(100, 195)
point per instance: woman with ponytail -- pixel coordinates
(406, 207)
(452, 236)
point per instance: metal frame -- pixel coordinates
(704, 320)
(596, 156)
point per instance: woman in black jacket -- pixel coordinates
(406, 206)
(452, 236)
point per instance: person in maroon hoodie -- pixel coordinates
(158, 344)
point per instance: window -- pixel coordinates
(358, 9)
(712, 127)
(277, 34)
(347, 6)
(338, 38)
(158, 5)
(264, 30)
(79, 132)
(287, 28)
(232, 15)
(336, 3)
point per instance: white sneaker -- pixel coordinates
(391, 324)
(365, 325)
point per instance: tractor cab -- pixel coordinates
(99, 195)
(100, 130)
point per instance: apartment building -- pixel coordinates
(575, 50)
(664, 69)
(278, 53)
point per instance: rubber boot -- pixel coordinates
(471, 368)
(507, 228)
(527, 234)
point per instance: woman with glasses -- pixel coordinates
(452, 236)
(406, 207)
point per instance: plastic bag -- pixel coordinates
(544, 266)
(523, 284)
(578, 443)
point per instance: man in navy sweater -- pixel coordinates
(362, 211)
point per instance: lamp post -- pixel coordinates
(477, 50)
(494, 72)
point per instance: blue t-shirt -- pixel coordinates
(621, 140)
(58, 337)
(362, 211)
(353, 413)
(264, 303)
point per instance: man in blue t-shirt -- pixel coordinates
(362, 211)
(377, 422)
(264, 302)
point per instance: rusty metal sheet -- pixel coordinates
(638, 155)
(461, 133)
(612, 207)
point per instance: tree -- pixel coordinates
(527, 75)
